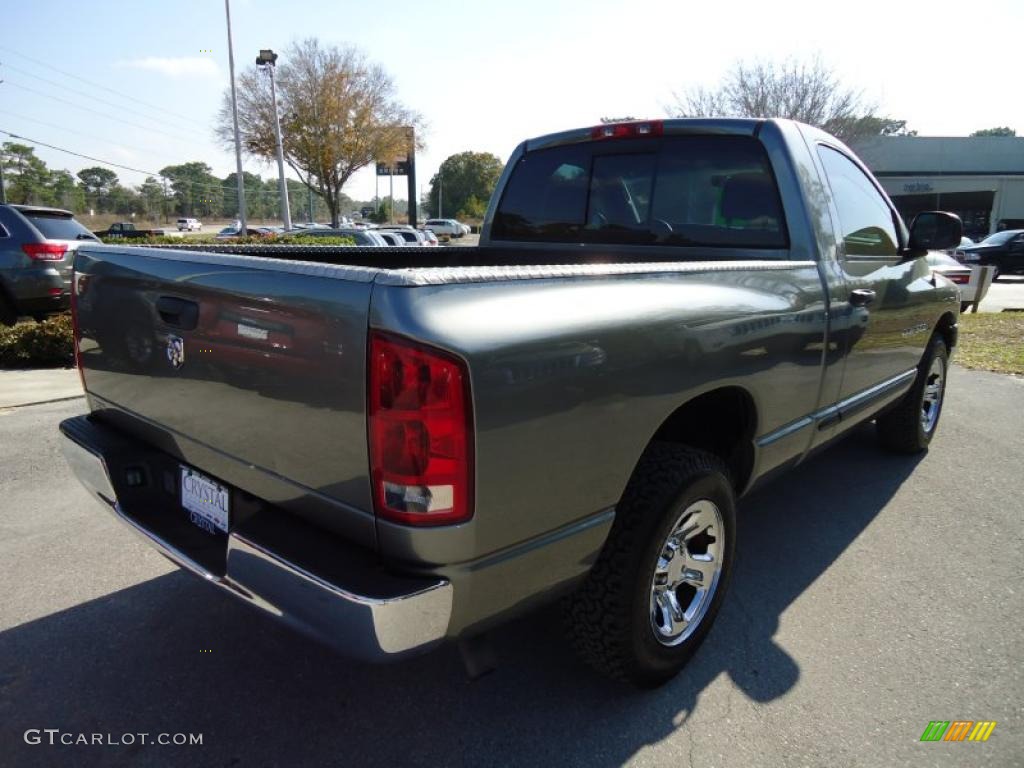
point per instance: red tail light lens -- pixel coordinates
(420, 433)
(628, 130)
(45, 251)
(960, 279)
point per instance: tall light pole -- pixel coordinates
(268, 60)
(234, 115)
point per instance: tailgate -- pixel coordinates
(252, 369)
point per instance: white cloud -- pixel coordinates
(179, 66)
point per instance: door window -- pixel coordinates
(865, 218)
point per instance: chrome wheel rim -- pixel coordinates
(687, 573)
(931, 402)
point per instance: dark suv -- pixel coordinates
(37, 249)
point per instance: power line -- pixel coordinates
(115, 105)
(98, 85)
(78, 154)
(193, 184)
(97, 112)
(77, 133)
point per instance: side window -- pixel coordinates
(864, 217)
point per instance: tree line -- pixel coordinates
(189, 189)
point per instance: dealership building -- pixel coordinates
(981, 179)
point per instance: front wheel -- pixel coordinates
(653, 594)
(911, 425)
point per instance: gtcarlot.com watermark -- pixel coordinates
(57, 737)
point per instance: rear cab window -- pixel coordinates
(57, 227)
(716, 191)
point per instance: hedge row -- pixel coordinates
(248, 240)
(29, 344)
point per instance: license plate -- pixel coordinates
(207, 502)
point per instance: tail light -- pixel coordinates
(628, 130)
(960, 278)
(45, 251)
(420, 433)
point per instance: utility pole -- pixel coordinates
(3, 186)
(234, 116)
(391, 202)
(268, 60)
(440, 192)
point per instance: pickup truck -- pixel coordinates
(391, 447)
(126, 229)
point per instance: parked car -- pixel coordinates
(409, 235)
(37, 248)
(964, 277)
(448, 227)
(429, 238)
(362, 237)
(1002, 250)
(190, 225)
(129, 231)
(230, 233)
(660, 317)
(391, 238)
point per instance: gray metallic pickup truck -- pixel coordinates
(387, 448)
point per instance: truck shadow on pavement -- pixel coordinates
(172, 655)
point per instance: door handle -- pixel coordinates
(861, 297)
(179, 313)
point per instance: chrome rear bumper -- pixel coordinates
(403, 617)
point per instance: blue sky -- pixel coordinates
(484, 75)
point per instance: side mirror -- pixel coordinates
(935, 231)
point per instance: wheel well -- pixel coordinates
(721, 422)
(946, 329)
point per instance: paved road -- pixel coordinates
(873, 594)
(1005, 293)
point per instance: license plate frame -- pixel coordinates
(207, 502)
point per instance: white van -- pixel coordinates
(190, 225)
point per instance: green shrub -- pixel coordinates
(248, 240)
(29, 344)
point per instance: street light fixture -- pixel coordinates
(268, 60)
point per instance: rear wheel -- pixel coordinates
(7, 314)
(652, 596)
(911, 425)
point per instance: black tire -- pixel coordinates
(7, 314)
(904, 429)
(609, 618)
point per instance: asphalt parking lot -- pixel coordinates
(873, 594)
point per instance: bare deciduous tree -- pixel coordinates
(806, 91)
(338, 112)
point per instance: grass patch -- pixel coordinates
(37, 345)
(992, 341)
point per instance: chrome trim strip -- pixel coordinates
(866, 397)
(370, 628)
(785, 431)
(833, 414)
(443, 275)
